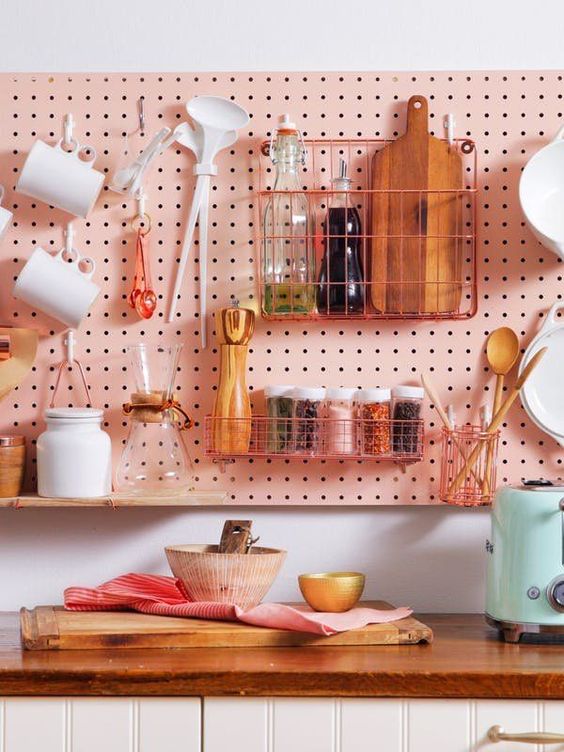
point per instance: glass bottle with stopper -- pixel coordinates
(341, 279)
(154, 461)
(289, 257)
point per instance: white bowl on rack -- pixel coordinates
(541, 193)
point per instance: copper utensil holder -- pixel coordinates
(478, 487)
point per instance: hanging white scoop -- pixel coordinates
(129, 179)
(216, 121)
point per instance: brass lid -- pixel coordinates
(6, 441)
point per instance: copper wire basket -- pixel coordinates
(398, 441)
(416, 284)
(478, 485)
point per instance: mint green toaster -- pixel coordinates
(525, 552)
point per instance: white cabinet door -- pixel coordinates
(33, 724)
(372, 725)
(515, 716)
(111, 724)
(259, 725)
(440, 726)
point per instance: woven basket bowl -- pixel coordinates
(242, 579)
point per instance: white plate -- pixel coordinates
(543, 393)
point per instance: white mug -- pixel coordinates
(5, 215)
(61, 178)
(57, 287)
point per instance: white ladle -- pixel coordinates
(216, 121)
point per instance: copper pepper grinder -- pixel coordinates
(234, 328)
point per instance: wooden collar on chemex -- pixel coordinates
(151, 408)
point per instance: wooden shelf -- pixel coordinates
(191, 499)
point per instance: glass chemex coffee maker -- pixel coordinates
(154, 461)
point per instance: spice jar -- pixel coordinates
(373, 412)
(74, 455)
(406, 410)
(307, 409)
(279, 425)
(340, 433)
(12, 465)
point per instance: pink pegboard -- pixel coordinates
(508, 115)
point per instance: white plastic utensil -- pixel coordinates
(129, 179)
(216, 121)
(192, 139)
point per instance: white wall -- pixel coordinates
(186, 35)
(430, 558)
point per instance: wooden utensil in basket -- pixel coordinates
(497, 419)
(416, 256)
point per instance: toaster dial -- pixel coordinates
(555, 592)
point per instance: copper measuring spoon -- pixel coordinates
(142, 297)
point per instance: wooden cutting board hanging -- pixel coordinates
(416, 258)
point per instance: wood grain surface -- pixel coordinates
(188, 499)
(466, 659)
(415, 257)
(232, 401)
(53, 628)
(235, 537)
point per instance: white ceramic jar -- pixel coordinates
(74, 455)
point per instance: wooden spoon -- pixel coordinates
(502, 351)
(498, 418)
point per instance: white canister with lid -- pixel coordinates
(74, 455)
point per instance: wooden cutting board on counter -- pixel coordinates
(416, 263)
(53, 628)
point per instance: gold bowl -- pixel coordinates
(332, 591)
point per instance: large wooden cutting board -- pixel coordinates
(53, 628)
(416, 256)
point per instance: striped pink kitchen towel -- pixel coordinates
(165, 596)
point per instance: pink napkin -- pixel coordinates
(166, 596)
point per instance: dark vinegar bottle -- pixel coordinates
(341, 279)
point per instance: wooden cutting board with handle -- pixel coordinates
(416, 260)
(53, 628)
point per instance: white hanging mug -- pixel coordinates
(56, 286)
(5, 215)
(61, 178)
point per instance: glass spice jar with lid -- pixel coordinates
(307, 410)
(407, 402)
(373, 413)
(340, 427)
(279, 406)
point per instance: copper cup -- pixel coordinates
(332, 592)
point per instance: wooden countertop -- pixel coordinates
(466, 660)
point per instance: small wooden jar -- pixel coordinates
(12, 465)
